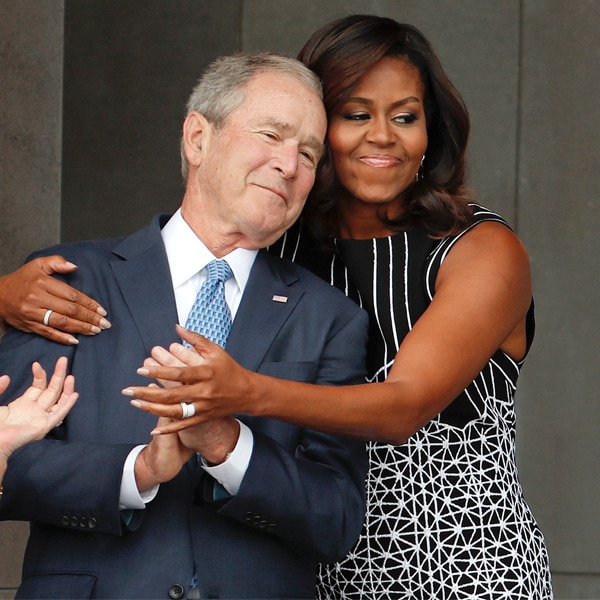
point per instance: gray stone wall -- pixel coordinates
(528, 70)
(31, 66)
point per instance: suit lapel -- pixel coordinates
(142, 273)
(269, 299)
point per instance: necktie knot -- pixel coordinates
(218, 270)
(210, 315)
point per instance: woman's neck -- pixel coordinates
(361, 220)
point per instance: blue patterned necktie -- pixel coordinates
(210, 316)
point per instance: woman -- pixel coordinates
(448, 288)
(41, 408)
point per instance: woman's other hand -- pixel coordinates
(33, 301)
(204, 375)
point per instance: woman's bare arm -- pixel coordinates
(483, 293)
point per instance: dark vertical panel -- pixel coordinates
(560, 218)
(129, 67)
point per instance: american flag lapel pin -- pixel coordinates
(277, 298)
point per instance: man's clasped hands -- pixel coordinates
(202, 375)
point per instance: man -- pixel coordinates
(248, 507)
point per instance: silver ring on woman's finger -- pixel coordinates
(188, 410)
(47, 316)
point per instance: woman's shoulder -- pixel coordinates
(484, 220)
(487, 247)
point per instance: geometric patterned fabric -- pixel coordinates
(210, 316)
(446, 517)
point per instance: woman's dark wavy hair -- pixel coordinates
(340, 53)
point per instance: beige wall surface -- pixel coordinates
(528, 70)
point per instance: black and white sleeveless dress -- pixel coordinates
(446, 518)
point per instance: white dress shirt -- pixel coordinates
(188, 257)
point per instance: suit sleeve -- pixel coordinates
(306, 487)
(68, 484)
(72, 477)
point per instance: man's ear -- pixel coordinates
(196, 131)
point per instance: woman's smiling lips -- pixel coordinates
(380, 161)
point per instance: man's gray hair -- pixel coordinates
(221, 88)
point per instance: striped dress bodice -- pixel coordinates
(446, 517)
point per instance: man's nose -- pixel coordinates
(286, 161)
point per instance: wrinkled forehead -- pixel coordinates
(286, 101)
(269, 86)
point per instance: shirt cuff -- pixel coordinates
(231, 472)
(130, 497)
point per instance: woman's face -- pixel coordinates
(379, 136)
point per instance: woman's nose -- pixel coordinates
(380, 131)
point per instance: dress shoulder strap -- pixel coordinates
(481, 214)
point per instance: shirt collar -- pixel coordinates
(187, 254)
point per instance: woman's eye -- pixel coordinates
(361, 116)
(405, 118)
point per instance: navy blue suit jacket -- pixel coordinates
(300, 502)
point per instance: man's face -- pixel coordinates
(255, 173)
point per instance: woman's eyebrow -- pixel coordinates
(369, 101)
